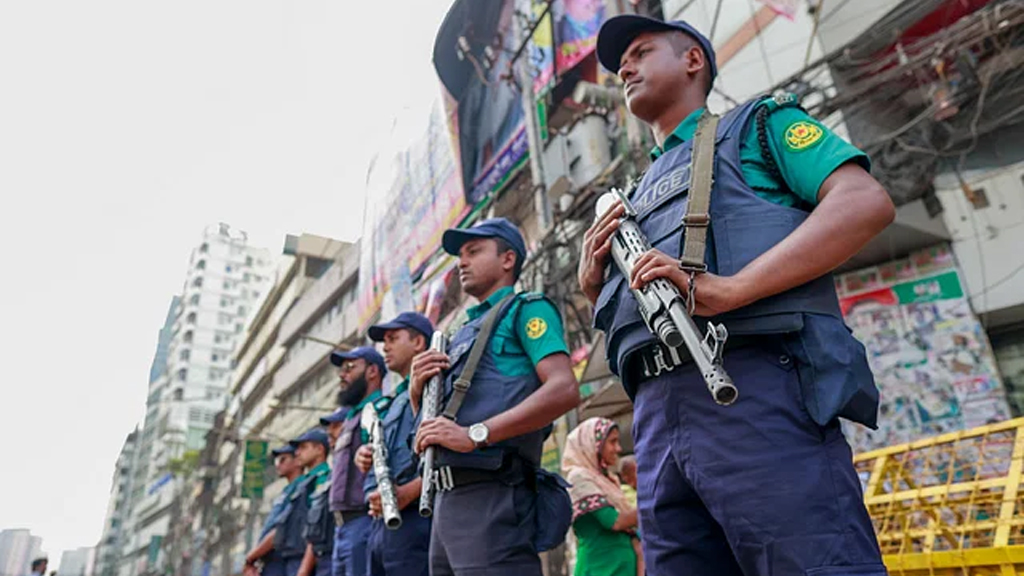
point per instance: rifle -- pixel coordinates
(664, 309)
(385, 485)
(432, 394)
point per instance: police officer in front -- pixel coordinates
(273, 563)
(485, 514)
(311, 450)
(400, 552)
(362, 372)
(765, 485)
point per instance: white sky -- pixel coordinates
(125, 128)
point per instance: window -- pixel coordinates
(198, 282)
(214, 357)
(182, 376)
(201, 265)
(248, 260)
(194, 300)
(225, 302)
(223, 318)
(246, 277)
(187, 338)
(227, 267)
(183, 356)
(228, 284)
(241, 310)
(238, 328)
(204, 248)
(191, 318)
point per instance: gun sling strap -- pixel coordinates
(698, 209)
(465, 378)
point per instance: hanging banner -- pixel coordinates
(929, 353)
(573, 25)
(411, 201)
(253, 469)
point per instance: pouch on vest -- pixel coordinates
(288, 538)
(835, 379)
(554, 510)
(320, 523)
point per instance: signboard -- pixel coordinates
(253, 468)
(153, 553)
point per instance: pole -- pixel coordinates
(536, 149)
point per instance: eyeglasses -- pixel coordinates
(348, 367)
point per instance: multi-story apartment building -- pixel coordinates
(225, 280)
(18, 548)
(108, 551)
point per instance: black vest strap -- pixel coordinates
(461, 385)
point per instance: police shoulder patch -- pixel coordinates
(802, 135)
(536, 327)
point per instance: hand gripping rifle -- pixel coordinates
(432, 393)
(385, 485)
(664, 309)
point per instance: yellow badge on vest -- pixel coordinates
(802, 134)
(535, 328)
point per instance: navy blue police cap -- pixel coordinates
(618, 33)
(280, 450)
(454, 238)
(368, 353)
(336, 416)
(313, 435)
(411, 320)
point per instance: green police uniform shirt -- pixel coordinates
(805, 151)
(321, 474)
(530, 331)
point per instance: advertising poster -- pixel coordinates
(929, 353)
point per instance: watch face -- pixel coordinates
(477, 433)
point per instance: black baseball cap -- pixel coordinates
(411, 320)
(454, 238)
(618, 33)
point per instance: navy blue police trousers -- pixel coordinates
(401, 552)
(753, 489)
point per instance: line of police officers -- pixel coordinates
(328, 520)
(790, 201)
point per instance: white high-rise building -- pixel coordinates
(77, 562)
(225, 280)
(18, 548)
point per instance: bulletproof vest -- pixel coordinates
(743, 226)
(400, 460)
(319, 529)
(346, 480)
(490, 393)
(289, 540)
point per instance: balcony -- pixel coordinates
(322, 294)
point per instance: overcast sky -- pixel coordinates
(125, 128)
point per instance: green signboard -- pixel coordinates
(942, 287)
(253, 469)
(153, 553)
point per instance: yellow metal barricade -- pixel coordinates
(950, 505)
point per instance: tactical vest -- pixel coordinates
(490, 393)
(319, 529)
(289, 540)
(743, 226)
(400, 460)
(346, 480)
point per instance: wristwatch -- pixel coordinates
(478, 433)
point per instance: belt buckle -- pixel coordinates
(661, 365)
(339, 518)
(443, 478)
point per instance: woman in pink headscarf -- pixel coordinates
(603, 520)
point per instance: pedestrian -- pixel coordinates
(311, 451)
(627, 473)
(489, 439)
(272, 563)
(362, 372)
(400, 552)
(765, 485)
(603, 519)
(39, 567)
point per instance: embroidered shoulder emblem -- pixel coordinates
(802, 134)
(535, 328)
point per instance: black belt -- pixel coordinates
(512, 471)
(340, 517)
(656, 359)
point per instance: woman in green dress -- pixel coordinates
(603, 520)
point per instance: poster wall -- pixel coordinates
(573, 26)
(929, 353)
(410, 203)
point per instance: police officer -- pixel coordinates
(401, 552)
(766, 485)
(311, 450)
(362, 372)
(485, 520)
(274, 564)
